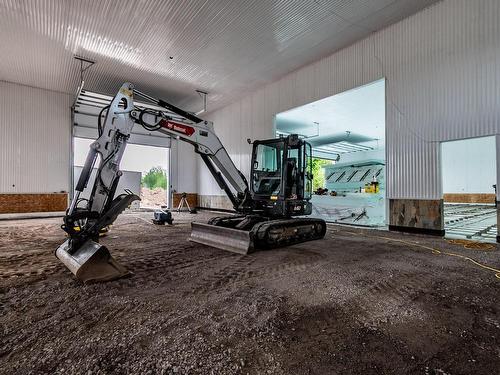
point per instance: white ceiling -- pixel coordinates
(355, 116)
(225, 47)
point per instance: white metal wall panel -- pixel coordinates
(225, 47)
(442, 67)
(34, 140)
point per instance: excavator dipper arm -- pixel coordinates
(81, 252)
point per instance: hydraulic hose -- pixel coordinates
(144, 124)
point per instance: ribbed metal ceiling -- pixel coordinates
(224, 47)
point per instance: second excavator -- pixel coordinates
(270, 210)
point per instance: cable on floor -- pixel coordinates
(434, 251)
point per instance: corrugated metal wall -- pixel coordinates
(216, 46)
(442, 67)
(34, 139)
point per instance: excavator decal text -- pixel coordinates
(177, 127)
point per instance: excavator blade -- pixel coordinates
(234, 240)
(91, 263)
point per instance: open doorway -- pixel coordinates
(347, 135)
(469, 181)
(145, 172)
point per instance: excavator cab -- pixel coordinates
(281, 176)
(280, 189)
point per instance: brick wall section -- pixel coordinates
(469, 198)
(22, 203)
(192, 199)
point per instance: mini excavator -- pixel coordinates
(270, 211)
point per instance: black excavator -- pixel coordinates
(270, 211)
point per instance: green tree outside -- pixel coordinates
(319, 172)
(155, 178)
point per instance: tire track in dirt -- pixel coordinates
(248, 268)
(32, 266)
(386, 295)
(294, 266)
(170, 264)
(386, 299)
(237, 269)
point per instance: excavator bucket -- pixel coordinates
(91, 263)
(234, 240)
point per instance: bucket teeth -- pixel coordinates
(91, 263)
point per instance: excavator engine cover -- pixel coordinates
(91, 263)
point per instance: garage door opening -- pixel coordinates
(145, 172)
(347, 134)
(469, 181)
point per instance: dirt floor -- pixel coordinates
(357, 302)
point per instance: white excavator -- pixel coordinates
(270, 211)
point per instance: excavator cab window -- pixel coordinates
(282, 168)
(308, 175)
(267, 162)
(292, 175)
(298, 170)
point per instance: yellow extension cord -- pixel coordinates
(435, 251)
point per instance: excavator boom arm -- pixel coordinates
(189, 128)
(200, 133)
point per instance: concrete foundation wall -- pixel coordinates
(417, 215)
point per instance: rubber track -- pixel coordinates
(261, 232)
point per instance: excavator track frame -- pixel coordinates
(223, 233)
